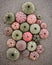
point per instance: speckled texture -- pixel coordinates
(44, 8)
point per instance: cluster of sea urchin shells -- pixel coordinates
(26, 29)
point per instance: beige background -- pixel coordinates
(44, 8)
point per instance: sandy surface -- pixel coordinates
(44, 8)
